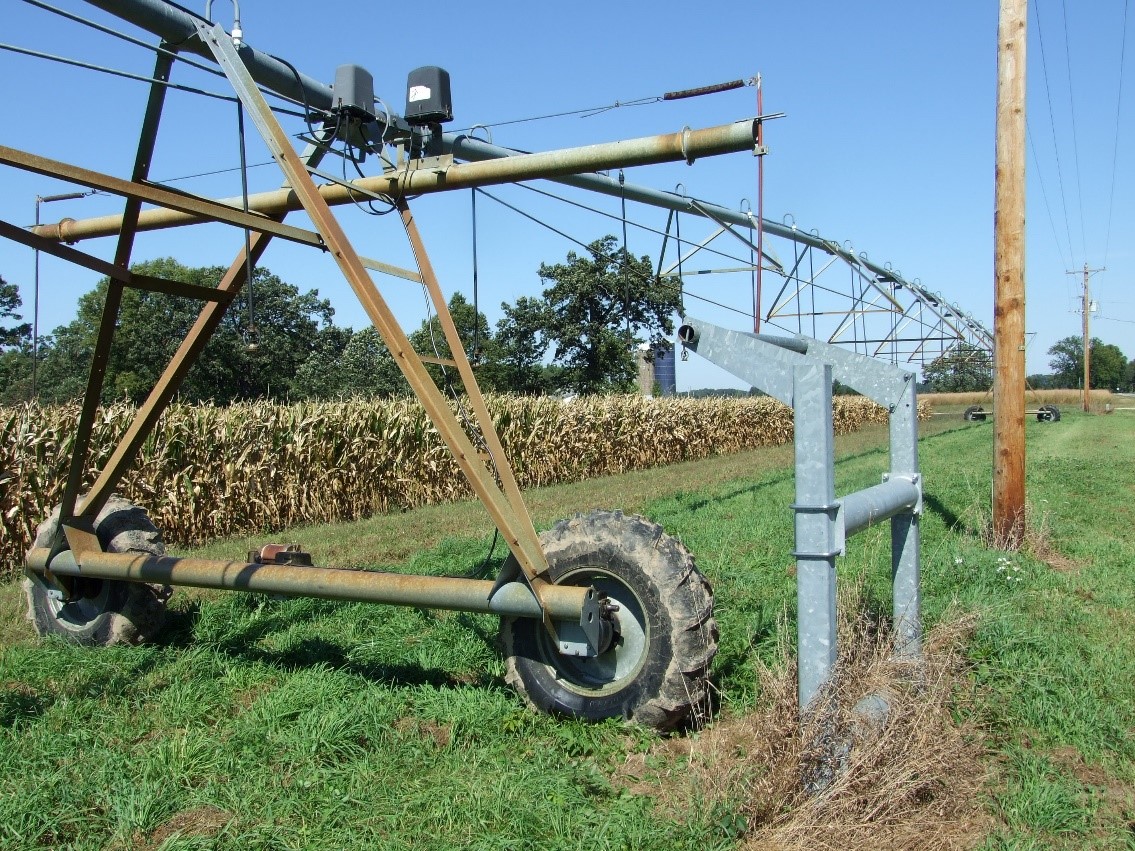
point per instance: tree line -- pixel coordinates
(579, 336)
(968, 368)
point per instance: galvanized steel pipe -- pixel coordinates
(875, 504)
(178, 26)
(563, 602)
(722, 139)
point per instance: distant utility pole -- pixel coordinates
(1087, 329)
(1009, 279)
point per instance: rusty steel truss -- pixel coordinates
(807, 285)
(573, 615)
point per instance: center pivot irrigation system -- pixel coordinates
(604, 615)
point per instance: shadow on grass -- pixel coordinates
(689, 503)
(20, 704)
(241, 643)
(947, 515)
(316, 651)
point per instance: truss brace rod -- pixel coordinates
(520, 537)
(563, 602)
(179, 26)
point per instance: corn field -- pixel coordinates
(209, 472)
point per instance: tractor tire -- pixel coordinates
(973, 412)
(103, 612)
(655, 671)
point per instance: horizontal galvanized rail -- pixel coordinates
(799, 371)
(563, 602)
(873, 505)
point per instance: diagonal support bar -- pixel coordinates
(183, 359)
(80, 535)
(464, 368)
(117, 273)
(196, 209)
(518, 533)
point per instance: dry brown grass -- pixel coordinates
(1033, 398)
(912, 783)
(1033, 537)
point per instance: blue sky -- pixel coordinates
(888, 141)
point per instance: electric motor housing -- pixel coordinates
(354, 92)
(428, 96)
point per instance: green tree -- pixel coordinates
(15, 347)
(11, 335)
(472, 329)
(361, 366)
(1108, 363)
(236, 364)
(962, 369)
(1041, 381)
(520, 347)
(598, 307)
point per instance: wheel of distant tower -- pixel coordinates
(102, 611)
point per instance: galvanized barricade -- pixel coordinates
(799, 371)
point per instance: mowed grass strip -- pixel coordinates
(309, 724)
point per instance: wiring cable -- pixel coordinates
(252, 340)
(472, 428)
(1115, 145)
(631, 222)
(613, 260)
(1075, 135)
(1052, 125)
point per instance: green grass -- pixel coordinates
(310, 724)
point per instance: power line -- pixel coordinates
(1044, 194)
(1075, 142)
(87, 22)
(1052, 125)
(585, 113)
(1115, 145)
(114, 72)
(597, 110)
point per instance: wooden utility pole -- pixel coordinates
(1087, 331)
(1009, 280)
(1086, 312)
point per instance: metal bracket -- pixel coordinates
(799, 371)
